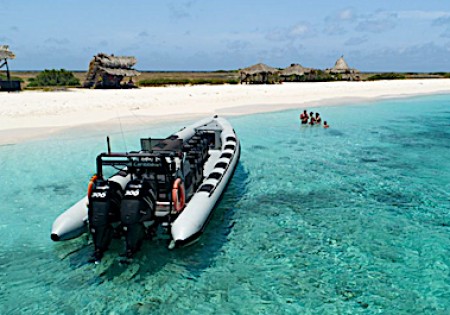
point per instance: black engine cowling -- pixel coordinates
(138, 206)
(103, 211)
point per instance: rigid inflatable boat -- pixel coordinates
(170, 187)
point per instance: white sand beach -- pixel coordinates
(31, 114)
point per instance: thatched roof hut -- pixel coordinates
(8, 84)
(342, 69)
(341, 66)
(258, 69)
(294, 69)
(295, 73)
(107, 71)
(5, 53)
(259, 73)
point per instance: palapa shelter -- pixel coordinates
(107, 71)
(259, 73)
(341, 69)
(294, 73)
(8, 84)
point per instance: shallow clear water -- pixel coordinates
(354, 219)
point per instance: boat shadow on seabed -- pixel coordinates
(154, 255)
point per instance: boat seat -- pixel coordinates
(227, 155)
(230, 146)
(215, 175)
(221, 165)
(206, 188)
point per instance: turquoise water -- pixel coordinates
(354, 219)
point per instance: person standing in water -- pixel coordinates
(304, 117)
(312, 120)
(318, 119)
(325, 125)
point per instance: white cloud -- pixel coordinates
(181, 10)
(299, 30)
(346, 15)
(354, 41)
(339, 22)
(422, 15)
(425, 57)
(380, 21)
(335, 29)
(441, 21)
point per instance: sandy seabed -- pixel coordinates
(30, 114)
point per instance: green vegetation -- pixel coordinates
(386, 76)
(3, 77)
(184, 81)
(320, 76)
(31, 79)
(54, 78)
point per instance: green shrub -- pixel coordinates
(441, 74)
(5, 78)
(54, 78)
(386, 76)
(320, 76)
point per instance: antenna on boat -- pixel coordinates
(108, 144)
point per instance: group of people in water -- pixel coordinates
(312, 119)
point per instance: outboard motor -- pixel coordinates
(104, 210)
(137, 212)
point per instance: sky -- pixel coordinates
(208, 35)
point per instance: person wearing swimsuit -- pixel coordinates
(318, 118)
(304, 117)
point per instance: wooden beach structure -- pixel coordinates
(108, 71)
(8, 84)
(259, 74)
(295, 73)
(342, 71)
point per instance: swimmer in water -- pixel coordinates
(318, 118)
(312, 120)
(304, 115)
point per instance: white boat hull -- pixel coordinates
(217, 173)
(194, 217)
(73, 222)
